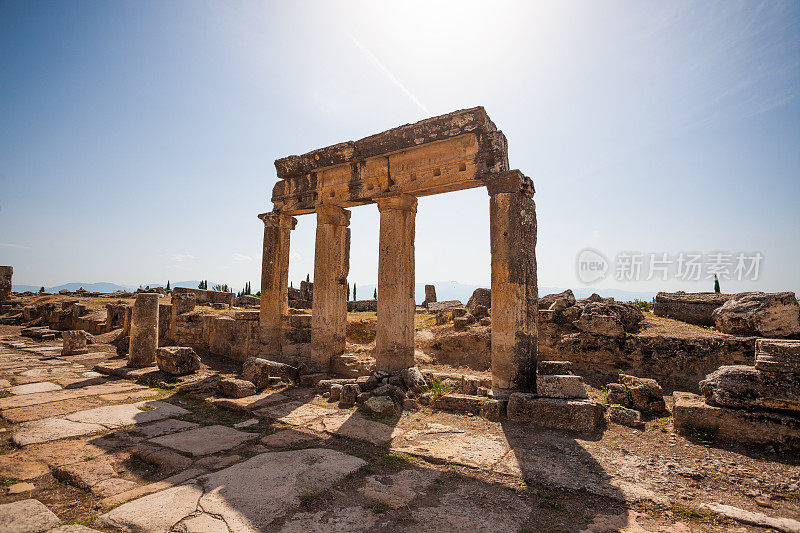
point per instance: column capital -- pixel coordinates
(333, 214)
(512, 181)
(403, 202)
(278, 220)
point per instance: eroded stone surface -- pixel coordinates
(449, 444)
(34, 388)
(205, 440)
(355, 426)
(339, 520)
(26, 516)
(113, 416)
(397, 490)
(294, 413)
(48, 429)
(156, 512)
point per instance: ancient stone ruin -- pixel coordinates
(5, 282)
(460, 150)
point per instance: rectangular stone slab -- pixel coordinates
(554, 413)
(735, 425)
(778, 355)
(48, 429)
(113, 416)
(205, 440)
(56, 396)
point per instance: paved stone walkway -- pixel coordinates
(286, 460)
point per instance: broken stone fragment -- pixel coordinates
(481, 297)
(459, 402)
(413, 379)
(555, 368)
(74, 342)
(480, 311)
(256, 371)
(485, 321)
(493, 410)
(177, 360)
(645, 393)
(778, 355)
(567, 297)
(746, 387)
(335, 392)
(236, 388)
(380, 406)
(460, 323)
(618, 395)
(348, 395)
(624, 416)
(759, 313)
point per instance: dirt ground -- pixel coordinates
(424, 470)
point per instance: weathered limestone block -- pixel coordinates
(275, 279)
(514, 294)
(144, 330)
(459, 402)
(493, 410)
(445, 153)
(394, 340)
(479, 296)
(164, 324)
(555, 368)
(126, 324)
(74, 342)
(223, 335)
(380, 406)
(445, 306)
(6, 273)
(177, 360)
(778, 356)
(692, 415)
(206, 297)
(746, 387)
(759, 313)
(248, 300)
(555, 386)
(645, 394)
(624, 416)
(116, 315)
(612, 319)
(460, 323)
(617, 394)
(692, 307)
(554, 413)
(187, 328)
(256, 370)
(331, 267)
(557, 302)
(182, 302)
(430, 295)
(347, 397)
(413, 379)
(236, 388)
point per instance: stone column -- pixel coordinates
(275, 279)
(5, 282)
(144, 330)
(331, 266)
(515, 297)
(394, 341)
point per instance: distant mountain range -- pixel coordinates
(445, 290)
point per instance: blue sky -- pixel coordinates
(137, 139)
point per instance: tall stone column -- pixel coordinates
(5, 282)
(144, 330)
(331, 266)
(394, 342)
(275, 279)
(515, 296)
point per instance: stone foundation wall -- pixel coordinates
(204, 297)
(693, 307)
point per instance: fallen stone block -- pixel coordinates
(75, 342)
(550, 386)
(459, 402)
(236, 388)
(256, 371)
(555, 413)
(746, 387)
(624, 416)
(693, 416)
(778, 355)
(493, 410)
(348, 395)
(460, 323)
(413, 379)
(554, 368)
(177, 360)
(785, 525)
(645, 393)
(380, 406)
(759, 313)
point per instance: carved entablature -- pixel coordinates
(441, 154)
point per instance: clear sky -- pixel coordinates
(137, 139)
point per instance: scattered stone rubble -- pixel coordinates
(757, 404)
(759, 313)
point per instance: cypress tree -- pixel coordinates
(167, 284)
(716, 284)
(348, 291)
(308, 278)
(354, 291)
(375, 294)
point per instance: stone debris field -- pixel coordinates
(193, 410)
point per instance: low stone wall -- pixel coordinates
(204, 297)
(691, 307)
(363, 305)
